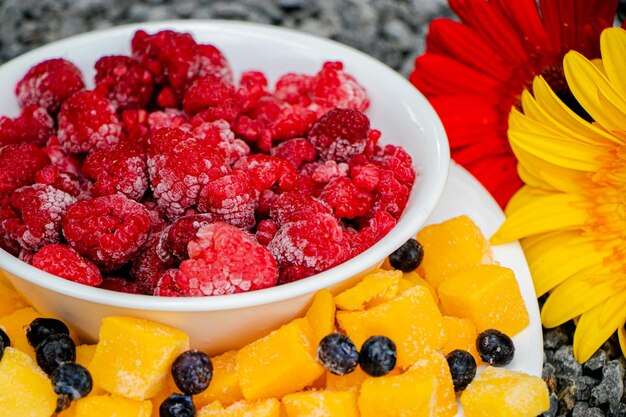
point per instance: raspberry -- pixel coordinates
(225, 260)
(64, 181)
(265, 231)
(211, 62)
(293, 206)
(7, 242)
(124, 81)
(158, 222)
(366, 176)
(297, 151)
(170, 118)
(122, 169)
(121, 285)
(61, 159)
(212, 98)
(179, 166)
(347, 200)
(259, 120)
(34, 125)
(48, 84)
(293, 273)
(26, 256)
(18, 166)
(40, 209)
(377, 227)
(231, 199)
(265, 171)
(400, 163)
(135, 125)
(65, 262)
(332, 87)
(218, 134)
(108, 230)
(252, 87)
(87, 123)
(147, 266)
(330, 170)
(340, 134)
(392, 195)
(267, 198)
(172, 245)
(167, 287)
(294, 88)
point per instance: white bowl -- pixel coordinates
(219, 323)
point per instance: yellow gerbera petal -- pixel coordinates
(621, 333)
(523, 196)
(613, 45)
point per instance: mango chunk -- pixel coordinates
(450, 247)
(417, 279)
(210, 409)
(25, 390)
(280, 363)
(321, 315)
(133, 356)
(14, 325)
(445, 400)
(408, 395)
(351, 381)
(412, 321)
(112, 406)
(489, 296)
(498, 392)
(84, 355)
(321, 403)
(259, 408)
(224, 386)
(404, 284)
(10, 300)
(461, 335)
(375, 288)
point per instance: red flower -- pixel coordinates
(473, 71)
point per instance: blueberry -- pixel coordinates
(177, 405)
(337, 354)
(70, 381)
(462, 367)
(495, 348)
(378, 356)
(55, 350)
(192, 372)
(5, 342)
(41, 328)
(408, 256)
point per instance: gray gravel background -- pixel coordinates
(393, 32)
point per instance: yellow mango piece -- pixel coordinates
(450, 247)
(404, 284)
(408, 395)
(386, 265)
(351, 381)
(15, 324)
(25, 390)
(375, 288)
(84, 355)
(279, 363)
(321, 403)
(489, 296)
(461, 335)
(412, 321)
(112, 406)
(321, 315)
(417, 279)
(435, 364)
(224, 386)
(134, 356)
(10, 300)
(211, 409)
(498, 392)
(259, 408)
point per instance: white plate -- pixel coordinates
(463, 194)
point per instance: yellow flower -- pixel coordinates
(571, 213)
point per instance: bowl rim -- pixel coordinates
(394, 239)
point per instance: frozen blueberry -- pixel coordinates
(495, 348)
(55, 350)
(408, 256)
(462, 367)
(337, 354)
(40, 328)
(177, 405)
(192, 372)
(70, 381)
(5, 342)
(378, 356)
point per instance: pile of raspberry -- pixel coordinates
(170, 179)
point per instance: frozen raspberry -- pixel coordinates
(330, 170)
(40, 209)
(34, 125)
(65, 262)
(49, 83)
(231, 199)
(293, 206)
(292, 121)
(7, 242)
(147, 266)
(252, 87)
(108, 230)
(167, 287)
(211, 62)
(306, 183)
(293, 273)
(225, 260)
(265, 171)
(265, 231)
(170, 118)
(399, 162)
(365, 176)
(212, 98)
(26, 256)
(122, 169)
(158, 222)
(377, 227)
(267, 198)
(259, 120)
(18, 166)
(347, 200)
(340, 134)
(135, 125)
(124, 81)
(297, 151)
(172, 245)
(121, 285)
(392, 195)
(167, 98)
(64, 181)
(332, 87)
(294, 88)
(179, 166)
(62, 159)
(218, 134)
(87, 123)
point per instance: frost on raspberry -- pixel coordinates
(333, 87)
(330, 170)
(211, 99)
(294, 88)
(179, 165)
(392, 196)
(231, 199)
(39, 211)
(170, 118)
(212, 62)
(225, 260)
(65, 262)
(265, 171)
(346, 199)
(377, 227)
(34, 124)
(64, 181)
(218, 134)
(294, 206)
(252, 88)
(124, 82)
(340, 134)
(297, 151)
(121, 285)
(108, 230)
(148, 267)
(18, 166)
(265, 231)
(88, 123)
(398, 161)
(172, 244)
(7, 243)
(61, 159)
(48, 84)
(167, 286)
(122, 169)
